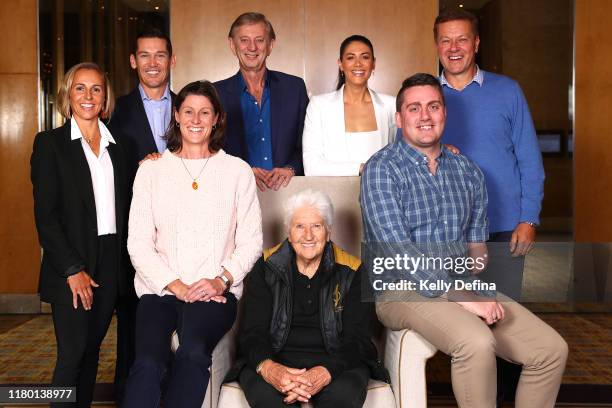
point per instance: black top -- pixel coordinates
(305, 332)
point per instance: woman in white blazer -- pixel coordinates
(344, 128)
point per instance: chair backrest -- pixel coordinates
(344, 193)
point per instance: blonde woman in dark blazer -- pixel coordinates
(345, 127)
(80, 207)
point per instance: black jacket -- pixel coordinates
(268, 304)
(65, 212)
(129, 120)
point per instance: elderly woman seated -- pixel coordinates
(304, 334)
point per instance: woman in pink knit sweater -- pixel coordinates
(194, 233)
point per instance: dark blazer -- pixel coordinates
(130, 121)
(288, 101)
(65, 211)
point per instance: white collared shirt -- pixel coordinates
(478, 78)
(102, 177)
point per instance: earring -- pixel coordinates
(214, 127)
(342, 74)
(178, 125)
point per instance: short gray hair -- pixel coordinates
(310, 198)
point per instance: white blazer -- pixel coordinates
(325, 144)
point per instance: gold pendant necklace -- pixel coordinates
(195, 184)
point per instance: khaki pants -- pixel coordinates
(521, 338)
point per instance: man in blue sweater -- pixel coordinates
(489, 121)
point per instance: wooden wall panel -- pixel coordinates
(309, 33)
(18, 22)
(199, 36)
(593, 121)
(401, 32)
(20, 260)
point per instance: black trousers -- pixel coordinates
(126, 323)
(507, 273)
(348, 390)
(200, 326)
(79, 332)
(504, 269)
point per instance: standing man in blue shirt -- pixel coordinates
(141, 119)
(489, 121)
(265, 108)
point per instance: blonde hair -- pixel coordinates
(63, 95)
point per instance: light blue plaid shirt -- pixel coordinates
(402, 203)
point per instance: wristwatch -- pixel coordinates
(533, 224)
(225, 281)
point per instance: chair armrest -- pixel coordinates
(406, 354)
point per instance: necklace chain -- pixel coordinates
(194, 184)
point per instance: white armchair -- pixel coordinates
(406, 354)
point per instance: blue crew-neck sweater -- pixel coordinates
(491, 125)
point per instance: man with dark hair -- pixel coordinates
(141, 118)
(490, 122)
(144, 114)
(420, 199)
(265, 108)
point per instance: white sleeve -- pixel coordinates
(149, 266)
(248, 238)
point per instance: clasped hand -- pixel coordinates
(298, 384)
(203, 290)
(273, 179)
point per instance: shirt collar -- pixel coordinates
(243, 85)
(105, 135)
(143, 94)
(478, 78)
(414, 156)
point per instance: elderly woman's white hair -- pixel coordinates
(310, 198)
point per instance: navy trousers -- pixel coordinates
(200, 326)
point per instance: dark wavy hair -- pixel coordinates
(174, 139)
(152, 33)
(348, 40)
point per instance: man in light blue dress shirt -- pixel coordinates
(140, 121)
(142, 116)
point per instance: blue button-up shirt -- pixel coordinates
(158, 114)
(257, 128)
(406, 206)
